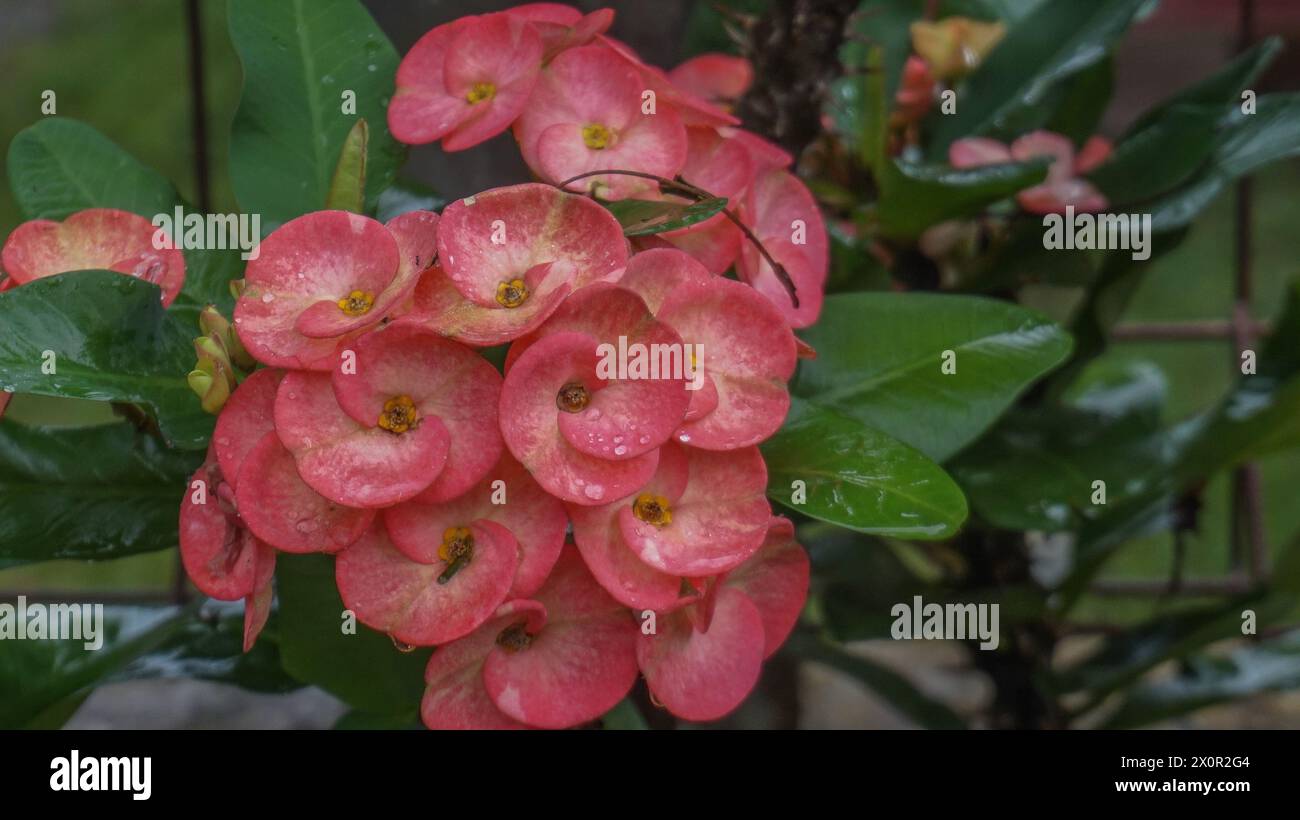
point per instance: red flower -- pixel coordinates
(561, 658)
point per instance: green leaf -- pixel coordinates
(1035, 470)
(880, 356)
(860, 478)
(365, 670)
(1262, 413)
(914, 196)
(299, 59)
(624, 716)
(1246, 144)
(38, 676)
(1083, 102)
(1221, 88)
(59, 166)
(92, 493)
(1160, 157)
(879, 23)
(1206, 680)
(642, 217)
(348, 187)
(1127, 656)
(896, 690)
(111, 341)
(1049, 45)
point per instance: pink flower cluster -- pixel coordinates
(636, 388)
(579, 101)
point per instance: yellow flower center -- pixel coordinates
(399, 414)
(512, 294)
(596, 136)
(481, 92)
(457, 550)
(653, 509)
(357, 303)
(572, 398)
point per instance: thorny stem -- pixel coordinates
(699, 195)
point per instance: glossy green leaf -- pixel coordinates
(1036, 469)
(59, 166)
(88, 493)
(1049, 45)
(1246, 144)
(302, 61)
(111, 340)
(348, 186)
(1221, 88)
(1160, 157)
(914, 196)
(860, 478)
(643, 217)
(1262, 413)
(892, 687)
(880, 358)
(365, 669)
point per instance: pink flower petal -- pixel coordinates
(783, 212)
(440, 307)
(620, 571)
(973, 152)
(575, 668)
(94, 239)
(718, 521)
(1038, 144)
(454, 696)
(248, 415)
(776, 580)
(531, 429)
(500, 235)
(405, 599)
(1094, 152)
(715, 77)
(592, 85)
(289, 314)
(656, 274)
(703, 675)
(447, 382)
(534, 518)
(746, 350)
(348, 463)
(224, 560)
(280, 509)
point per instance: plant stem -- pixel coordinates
(699, 194)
